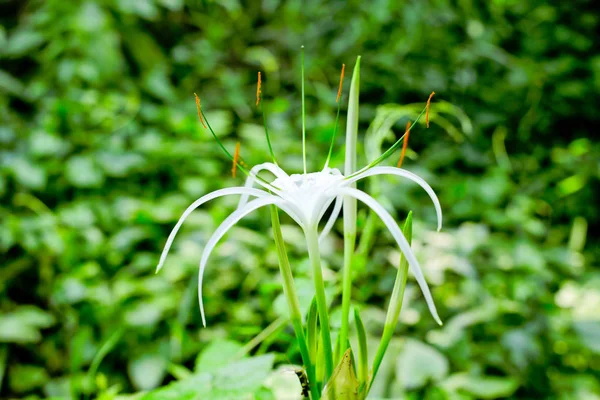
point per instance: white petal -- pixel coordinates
(292, 211)
(229, 222)
(272, 168)
(335, 213)
(198, 203)
(400, 239)
(406, 174)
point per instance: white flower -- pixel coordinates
(305, 198)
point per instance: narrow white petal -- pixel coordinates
(335, 213)
(272, 168)
(198, 203)
(400, 239)
(292, 211)
(406, 174)
(229, 222)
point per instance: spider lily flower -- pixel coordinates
(305, 198)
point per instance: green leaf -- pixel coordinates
(363, 355)
(311, 329)
(395, 306)
(147, 371)
(106, 348)
(24, 324)
(10, 84)
(217, 354)
(482, 387)
(196, 387)
(244, 376)
(23, 378)
(343, 383)
(23, 41)
(237, 380)
(28, 174)
(3, 358)
(419, 363)
(82, 171)
(349, 208)
(589, 333)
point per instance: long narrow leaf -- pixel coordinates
(363, 355)
(349, 204)
(395, 306)
(311, 329)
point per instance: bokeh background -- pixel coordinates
(101, 151)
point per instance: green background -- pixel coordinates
(101, 151)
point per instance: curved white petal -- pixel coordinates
(400, 239)
(229, 222)
(406, 174)
(292, 211)
(335, 213)
(198, 203)
(272, 168)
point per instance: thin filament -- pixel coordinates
(240, 163)
(404, 144)
(427, 107)
(337, 117)
(199, 108)
(303, 115)
(258, 96)
(236, 157)
(258, 90)
(339, 94)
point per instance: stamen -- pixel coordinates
(262, 109)
(405, 144)
(339, 94)
(199, 110)
(236, 156)
(337, 118)
(258, 90)
(303, 114)
(427, 108)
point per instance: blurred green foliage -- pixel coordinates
(101, 151)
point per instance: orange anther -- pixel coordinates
(236, 156)
(341, 82)
(199, 110)
(404, 144)
(427, 111)
(258, 90)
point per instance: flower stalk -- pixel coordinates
(289, 291)
(312, 241)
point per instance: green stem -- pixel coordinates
(349, 244)
(312, 241)
(291, 296)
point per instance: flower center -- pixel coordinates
(309, 191)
